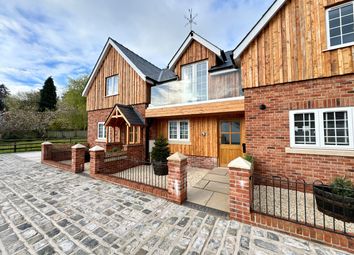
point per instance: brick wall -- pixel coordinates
(267, 131)
(202, 162)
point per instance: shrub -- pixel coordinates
(343, 187)
(249, 158)
(160, 152)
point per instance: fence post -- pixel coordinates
(96, 160)
(240, 171)
(15, 147)
(78, 158)
(177, 178)
(46, 151)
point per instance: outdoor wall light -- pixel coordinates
(262, 107)
(204, 133)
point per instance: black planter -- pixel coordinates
(337, 206)
(160, 168)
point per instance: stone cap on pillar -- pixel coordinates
(46, 143)
(177, 156)
(240, 163)
(78, 146)
(96, 148)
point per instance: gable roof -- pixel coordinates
(264, 20)
(128, 113)
(193, 36)
(145, 69)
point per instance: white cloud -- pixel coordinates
(64, 38)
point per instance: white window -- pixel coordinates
(340, 25)
(112, 85)
(322, 128)
(101, 131)
(197, 75)
(178, 130)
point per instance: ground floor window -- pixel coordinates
(178, 130)
(134, 135)
(101, 131)
(322, 128)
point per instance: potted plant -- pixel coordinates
(336, 199)
(159, 155)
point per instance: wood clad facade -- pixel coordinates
(293, 47)
(132, 89)
(194, 53)
(199, 145)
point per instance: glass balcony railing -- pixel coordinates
(220, 86)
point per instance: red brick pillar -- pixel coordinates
(240, 171)
(177, 178)
(78, 158)
(46, 151)
(96, 160)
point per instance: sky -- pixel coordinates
(63, 38)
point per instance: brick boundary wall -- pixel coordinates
(176, 180)
(240, 201)
(77, 156)
(202, 162)
(267, 131)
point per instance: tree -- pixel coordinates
(48, 96)
(71, 113)
(4, 92)
(23, 100)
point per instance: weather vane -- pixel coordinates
(190, 19)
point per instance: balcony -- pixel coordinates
(186, 97)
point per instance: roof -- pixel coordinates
(264, 20)
(226, 64)
(129, 114)
(193, 36)
(145, 69)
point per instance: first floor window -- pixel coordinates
(178, 130)
(112, 85)
(101, 130)
(322, 128)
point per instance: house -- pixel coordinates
(297, 73)
(196, 102)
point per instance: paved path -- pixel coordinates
(47, 211)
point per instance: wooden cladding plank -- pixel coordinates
(293, 47)
(131, 88)
(197, 109)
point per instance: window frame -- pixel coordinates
(178, 130)
(106, 83)
(195, 76)
(329, 47)
(104, 131)
(319, 128)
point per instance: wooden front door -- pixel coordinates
(229, 141)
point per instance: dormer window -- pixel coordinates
(112, 85)
(197, 76)
(340, 25)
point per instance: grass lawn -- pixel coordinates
(32, 145)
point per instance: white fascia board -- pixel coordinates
(187, 42)
(268, 15)
(100, 60)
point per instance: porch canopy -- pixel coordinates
(128, 122)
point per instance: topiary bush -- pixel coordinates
(342, 186)
(159, 156)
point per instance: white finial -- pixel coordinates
(190, 19)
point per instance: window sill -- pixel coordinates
(101, 140)
(179, 142)
(323, 152)
(111, 95)
(339, 47)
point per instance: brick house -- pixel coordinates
(297, 75)
(196, 102)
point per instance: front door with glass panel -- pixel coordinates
(229, 141)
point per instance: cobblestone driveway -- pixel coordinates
(46, 211)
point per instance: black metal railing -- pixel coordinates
(140, 172)
(310, 204)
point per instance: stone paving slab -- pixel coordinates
(47, 211)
